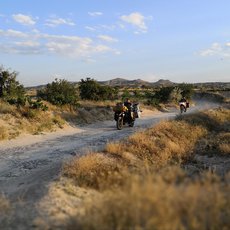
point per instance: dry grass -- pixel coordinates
(223, 143)
(215, 144)
(14, 121)
(170, 142)
(95, 170)
(213, 120)
(166, 141)
(150, 190)
(155, 203)
(6, 108)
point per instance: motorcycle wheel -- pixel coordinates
(119, 123)
(182, 109)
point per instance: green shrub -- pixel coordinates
(59, 92)
(92, 90)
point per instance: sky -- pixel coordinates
(180, 40)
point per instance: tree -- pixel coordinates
(175, 95)
(125, 94)
(59, 92)
(10, 89)
(90, 89)
(187, 90)
(106, 92)
(163, 95)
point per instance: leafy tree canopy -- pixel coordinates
(90, 89)
(10, 89)
(59, 92)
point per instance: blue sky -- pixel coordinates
(180, 40)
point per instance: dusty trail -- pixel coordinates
(24, 165)
(29, 165)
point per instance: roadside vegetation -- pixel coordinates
(56, 105)
(143, 182)
(61, 103)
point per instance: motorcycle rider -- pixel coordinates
(184, 100)
(129, 105)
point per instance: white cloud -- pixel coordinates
(94, 14)
(217, 49)
(90, 28)
(136, 19)
(28, 44)
(13, 34)
(24, 19)
(101, 28)
(27, 47)
(53, 22)
(107, 38)
(36, 42)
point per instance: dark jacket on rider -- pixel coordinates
(128, 104)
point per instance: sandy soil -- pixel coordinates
(30, 164)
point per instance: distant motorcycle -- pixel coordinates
(183, 106)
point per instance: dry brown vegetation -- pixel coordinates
(14, 121)
(17, 120)
(143, 184)
(153, 202)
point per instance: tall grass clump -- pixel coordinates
(169, 140)
(95, 170)
(155, 203)
(213, 120)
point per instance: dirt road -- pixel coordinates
(29, 164)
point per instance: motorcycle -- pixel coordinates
(123, 116)
(183, 106)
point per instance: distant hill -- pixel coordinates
(124, 82)
(163, 82)
(139, 83)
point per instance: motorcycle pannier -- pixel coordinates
(119, 108)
